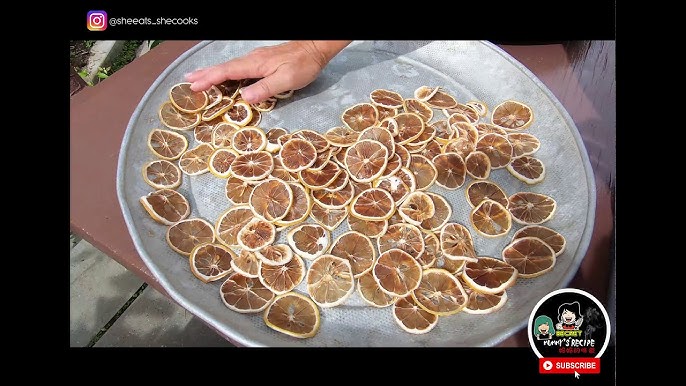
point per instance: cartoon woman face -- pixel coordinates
(568, 317)
(544, 328)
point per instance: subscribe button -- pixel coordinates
(569, 365)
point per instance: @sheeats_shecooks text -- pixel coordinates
(115, 21)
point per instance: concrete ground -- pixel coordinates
(112, 307)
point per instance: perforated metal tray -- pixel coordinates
(469, 70)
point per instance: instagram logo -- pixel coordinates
(97, 20)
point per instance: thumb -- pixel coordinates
(265, 88)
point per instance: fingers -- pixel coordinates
(266, 87)
(239, 68)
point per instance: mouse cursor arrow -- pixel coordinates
(576, 375)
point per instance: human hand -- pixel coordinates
(283, 67)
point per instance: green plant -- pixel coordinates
(103, 73)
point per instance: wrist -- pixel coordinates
(329, 48)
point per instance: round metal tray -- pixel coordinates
(469, 70)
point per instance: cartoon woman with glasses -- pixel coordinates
(569, 316)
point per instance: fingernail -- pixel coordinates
(248, 94)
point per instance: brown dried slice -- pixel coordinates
(489, 275)
(406, 237)
(271, 200)
(385, 112)
(461, 145)
(256, 118)
(284, 95)
(256, 234)
(341, 182)
(329, 218)
(166, 206)
(530, 256)
(404, 155)
(491, 219)
(415, 149)
(386, 98)
(357, 249)
(211, 262)
(390, 124)
(527, 169)
(442, 100)
(530, 208)
(432, 149)
(397, 273)
(487, 128)
(479, 106)
(282, 278)
(424, 93)
(187, 100)
(230, 222)
(360, 116)
(392, 166)
(300, 209)
(293, 314)
(371, 229)
(457, 243)
(451, 170)
(466, 129)
(366, 160)
(274, 133)
(246, 263)
(217, 110)
(320, 179)
(177, 120)
(322, 159)
(452, 266)
(512, 115)
(220, 162)
(480, 303)
(467, 111)
(341, 136)
(186, 234)
(167, 144)
(497, 148)
(411, 105)
(440, 293)
(424, 138)
(281, 173)
(229, 88)
(309, 240)
(551, 237)
(371, 293)
(380, 135)
(214, 95)
(412, 318)
(444, 132)
(297, 154)
(359, 187)
(265, 106)
(245, 294)
(478, 165)
(395, 186)
(410, 127)
(442, 213)
(253, 166)
(523, 143)
(432, 248)
(478, 191)
(223, 133)
(239, 114)
(407, 176)
(238, 191)
(417, 207)
(334, 200)
(319, 141)
(373, 205)
(458, 118)
(248, 140)
(162, 174)
(424, 171)
(330, 281)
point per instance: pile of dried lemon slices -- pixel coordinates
(373, 173)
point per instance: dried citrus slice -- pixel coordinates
(297, 154)
(386, 98)
(395, 186)
(424, 138)
(432, 248)
(392, 166)
(220, 162)
(218, 109)
(341, 183)
(407, 176)
(334, 200)
(239, 114)
(167, 144)
(371, 229)
(229, 88)
(177, 120)
(195, 161)
(497, 148)
(215, 96)
(458, 118)
(432, 149)
(523, 144)
(406, 237)
(230, 222)
(452, 266)
(478, 191)
(357, 249)
(281, 173)
(425, 173)
(410, 127)
(491, 219)
(238, 191)
(417, 207)
(320, 179)
(424, 93)
(359, 187)
(245, 294)
(479, 106)
(247, 264)
(265, 106)
(166, 206)
(397, 272)
(186, 234)
(360, 116)
(329, 218)
(380, 135)
(293, 314)
(274, 133)
(412, 318)
(253, 166)
(551, 237)
(404, 155)
(457, 243)
(512, 115)
(531, 256)
(319, 141)
(223, 133)
(443, 131)
(330, 280)
(385, 112)
(481, 303)
(411, 105)
(440, 293)
(415, 149)
(203, 132)
(300, 209)
(530, 208)
(322, 158)
(282, 278)
(373, 205)
(341, 136)
(187, 100)
(210, 262)
(489, 275)
(371, 293)
(248, 140)
(466, 129)
(256, 234)
(528, 169)
(390, 124)
(478, 165)
(162, 174)
(467, 111)
(271, 199)
(484, 128)
(366, 160)
(461, 145)
(442, 100)
(309, 240)
(451, 170)
(442, 213)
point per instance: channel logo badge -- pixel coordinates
(96, 20)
